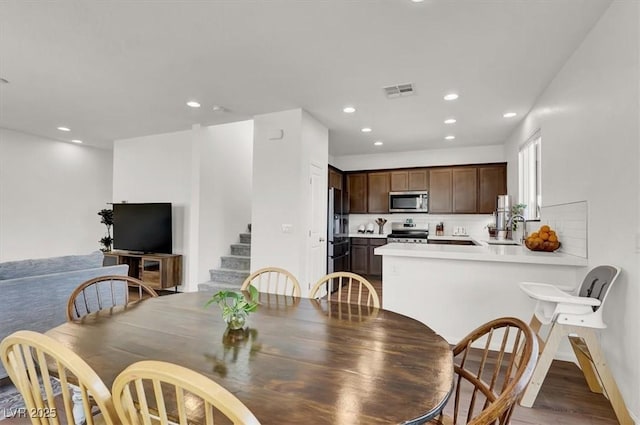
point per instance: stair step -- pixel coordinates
(213, 287)
(229, 275)
(243, 249)
(245, 238)
(236, 262)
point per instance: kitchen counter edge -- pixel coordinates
(496, 253)
(367, 235)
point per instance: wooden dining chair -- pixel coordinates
(32, 359)
(158, 392)
(105, 292)
(358, 289)
(273, 280)
(491, 379)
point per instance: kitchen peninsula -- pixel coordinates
(455, 287)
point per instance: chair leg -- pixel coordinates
(606, 378)
(586, 363)
(535, 325)
(78, 408)
(542, 367)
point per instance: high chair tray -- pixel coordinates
(550, 293)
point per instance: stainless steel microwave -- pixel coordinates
(409, 202)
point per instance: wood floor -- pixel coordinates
(564, 399)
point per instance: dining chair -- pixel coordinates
(489, 380)
(358, 289)
(105, 292)
(273, 280)
(151, 391)
(32, 359)
(577, 316)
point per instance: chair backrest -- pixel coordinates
(273, 280)
(106, 292)
(491, 379)
(598, 282)
(32, 359)
(151, 391)
(358, 289)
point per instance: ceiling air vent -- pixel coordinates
(399, 90)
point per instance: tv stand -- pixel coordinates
(159, 271)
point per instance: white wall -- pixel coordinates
(50, 193)
(158, 168)
(281, 190)
(226, 162)
(588, 118)
(424, 158)
(205, 173)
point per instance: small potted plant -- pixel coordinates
(106, 218)
(235, 306)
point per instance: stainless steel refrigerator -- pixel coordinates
(337, 233)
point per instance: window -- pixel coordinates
(529, 176)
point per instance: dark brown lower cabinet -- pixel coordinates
(363, 259)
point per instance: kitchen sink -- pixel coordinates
(502, 242)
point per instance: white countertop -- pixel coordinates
(368, 235)
(452, 238)
(484, 252)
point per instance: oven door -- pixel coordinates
(338, 255)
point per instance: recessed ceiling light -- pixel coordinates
(64, 129)
(451, 96)
(3, 81)
(509, 115)
(366, 130)
(450, 121)
(450, 137)
(193, 104)
(417, 1)
(378, 143)
(76, 141)
(348, 109)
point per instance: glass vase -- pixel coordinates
(236, 321)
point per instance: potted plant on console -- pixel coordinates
(106, 218)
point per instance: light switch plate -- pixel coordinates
(287, 228)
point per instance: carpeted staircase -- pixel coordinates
(234, 268)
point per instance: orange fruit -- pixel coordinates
(534, 235)
(545, 228)
(553, 237)
(544, 236)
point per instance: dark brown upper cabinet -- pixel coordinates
(440, 190)
(465, 190)
(409, 180)
(492, 182)
(335, 179)
(357, 189)
(378, 197)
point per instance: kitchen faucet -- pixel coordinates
(514, 218)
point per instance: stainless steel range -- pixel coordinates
(408, 232)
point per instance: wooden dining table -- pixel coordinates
(298, 360)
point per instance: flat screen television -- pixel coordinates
(142, 227)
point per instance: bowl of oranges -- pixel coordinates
(545, 239)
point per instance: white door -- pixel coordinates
(317, 244)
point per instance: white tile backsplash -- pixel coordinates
(475, 224)
(570, 223)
